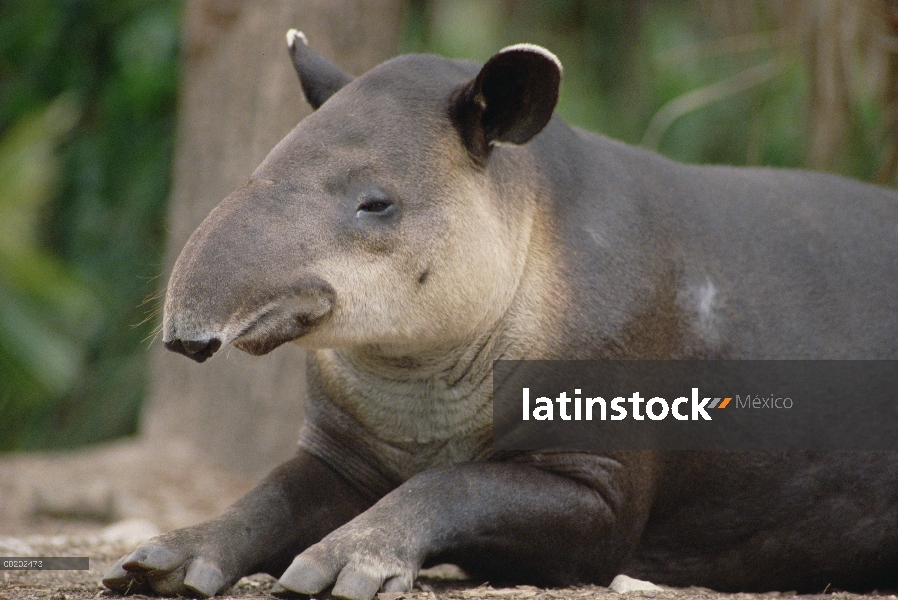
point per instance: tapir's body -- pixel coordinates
(716, 262)
(432, 217)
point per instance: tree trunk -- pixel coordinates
(239, 97)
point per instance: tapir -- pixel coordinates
(432, 216)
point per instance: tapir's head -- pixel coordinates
(398, 213)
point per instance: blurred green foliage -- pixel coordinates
(664, 74)
(87, 99)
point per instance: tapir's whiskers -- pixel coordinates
(152, 336)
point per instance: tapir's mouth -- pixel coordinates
(285, 320)
(288, 318)
(271, 330)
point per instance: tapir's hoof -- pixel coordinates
(155, 568)
(307, 577)
(119, 580)
(335, 562)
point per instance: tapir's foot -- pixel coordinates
(177, 563)
(358, 561)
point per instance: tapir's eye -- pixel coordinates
(374, 206)
(375, 202)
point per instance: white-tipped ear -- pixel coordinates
(293, 35)
(320, 78)
(511, 99)
(532, 48)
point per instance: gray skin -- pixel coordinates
(432, 216)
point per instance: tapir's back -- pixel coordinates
(808, 262)
(724, 262)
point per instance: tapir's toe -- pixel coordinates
(356, 567)
(119, 580)
(356, 585)
(157, 568)
(397, 584)
(204, 578)
(307, 576)
(152, 558)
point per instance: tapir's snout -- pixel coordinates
(285, 316)
(226, 287)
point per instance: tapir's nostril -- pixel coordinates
(198, 350)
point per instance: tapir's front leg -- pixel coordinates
(295, 506)
(508, 521)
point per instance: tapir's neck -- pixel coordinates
(418, 396)
(458, 365)
(411, 412)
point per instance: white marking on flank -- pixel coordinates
(597, 237)
(707, 306)
(707, 295)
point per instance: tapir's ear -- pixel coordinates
(320, 78)
(510, 100)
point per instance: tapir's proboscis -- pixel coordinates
(432, 216)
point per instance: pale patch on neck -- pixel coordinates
(410, 417)
(418, 399)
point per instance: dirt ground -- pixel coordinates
(102, 502)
